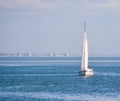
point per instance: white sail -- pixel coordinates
(84, 64)
(85, 71)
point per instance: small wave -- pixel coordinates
(107, 74)
(13, 87)
(21, 87)
(38, 74)
(68, 74)
(61, 96)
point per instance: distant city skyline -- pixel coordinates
(56, 26)
(34, 54)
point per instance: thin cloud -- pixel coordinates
(59, 4)
(103, 4)
(26, 4)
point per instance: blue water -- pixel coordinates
(56, 79)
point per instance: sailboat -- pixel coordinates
(84, 70)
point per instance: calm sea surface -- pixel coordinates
(56, 79)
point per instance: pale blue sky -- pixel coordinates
(56, 26)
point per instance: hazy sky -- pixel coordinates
(56, 26)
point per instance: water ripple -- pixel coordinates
(61, 96)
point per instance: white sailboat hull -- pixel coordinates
(88, 72)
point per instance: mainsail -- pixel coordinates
(84, 64)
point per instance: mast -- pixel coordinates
(84, 64)
(84, 26)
